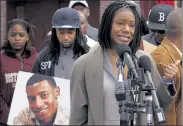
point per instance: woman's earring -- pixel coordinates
(28, 41)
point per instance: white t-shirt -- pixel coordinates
(90, 42)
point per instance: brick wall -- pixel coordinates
(3, 21)
(103, 5)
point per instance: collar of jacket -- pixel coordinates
(171, 49)
(61, 118)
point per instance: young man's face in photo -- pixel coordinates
(42, 98)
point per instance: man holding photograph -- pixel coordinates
(42, 94)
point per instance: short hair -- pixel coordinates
(174, 23)
(104, 33)
(82, 16)
(36, 78)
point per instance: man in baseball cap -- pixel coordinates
(156, 23)
(65, 46)
(82, 6)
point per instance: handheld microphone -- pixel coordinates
(124, 53)
(144, 62)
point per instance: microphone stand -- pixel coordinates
(158, 111)
(120, 92)
(128, 93)
(145, 103)
(149, 109)
(126, 90)
(136, 105)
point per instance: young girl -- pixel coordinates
(16, 55)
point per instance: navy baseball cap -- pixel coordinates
(157, 16)
(66, 18)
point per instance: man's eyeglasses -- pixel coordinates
(158, 31)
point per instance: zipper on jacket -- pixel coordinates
(65, 51)
(21, 59)
(22, 64)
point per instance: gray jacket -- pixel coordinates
(150, 38)
(92, 32)
(87, 88)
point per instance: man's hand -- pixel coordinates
(170, 71)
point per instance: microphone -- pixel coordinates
(144, 62)
(120, 92)
(124, 53)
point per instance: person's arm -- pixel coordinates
(165, 96)
(4, 108)
(168, 74)
(170, 86)
(36, 68)
(78, 93)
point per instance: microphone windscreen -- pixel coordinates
(121, 49)
(145, 62)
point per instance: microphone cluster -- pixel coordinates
(136, 84)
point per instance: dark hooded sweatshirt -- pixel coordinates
(10, 66)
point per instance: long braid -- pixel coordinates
(137, 35)
(80, 47)
(106, 24)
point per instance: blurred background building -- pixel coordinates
(39, 13)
